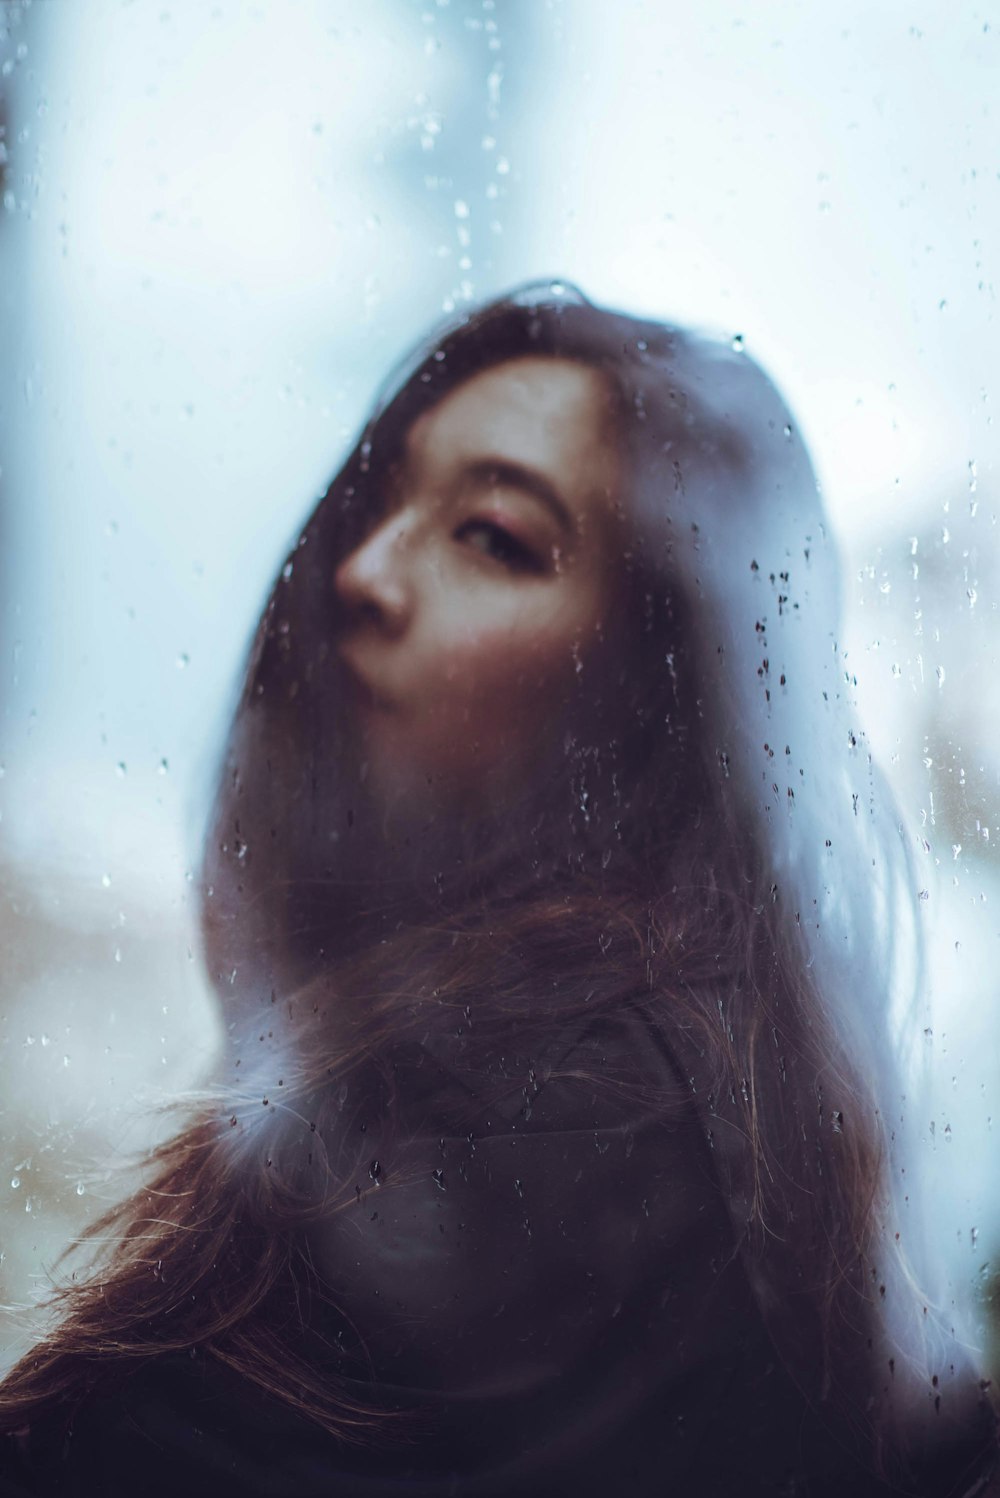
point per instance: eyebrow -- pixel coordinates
(505, 473)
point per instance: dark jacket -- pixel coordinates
(554, 1302)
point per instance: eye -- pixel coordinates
(496, 542)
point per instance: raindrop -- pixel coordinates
(738, 343)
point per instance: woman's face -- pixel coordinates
(477, 612)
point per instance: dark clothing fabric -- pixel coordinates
(189, 1427)
(553, 1302)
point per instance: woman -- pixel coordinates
(551, 900)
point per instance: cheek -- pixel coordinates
(504, 669)
(522, 636)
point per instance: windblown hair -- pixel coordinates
(726, 859)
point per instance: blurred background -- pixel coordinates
(221, 223)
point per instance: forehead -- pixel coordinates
(551, 414)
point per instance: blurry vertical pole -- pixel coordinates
(17, 82)
(472, 142)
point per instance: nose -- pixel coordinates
(372, 583)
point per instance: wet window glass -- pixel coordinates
(498, 744)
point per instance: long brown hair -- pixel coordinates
(726, 859)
